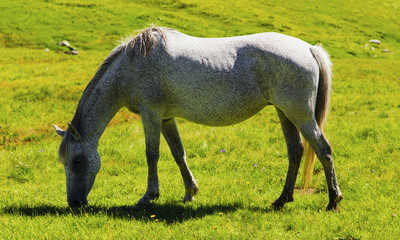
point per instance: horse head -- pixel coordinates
(81, 163)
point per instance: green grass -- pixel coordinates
(39, 88)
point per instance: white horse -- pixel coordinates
(162, 74)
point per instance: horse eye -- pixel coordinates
(77, 160)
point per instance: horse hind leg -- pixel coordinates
(322, 149)
(171, 135)
(295, 152)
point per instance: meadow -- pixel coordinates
(240, 169)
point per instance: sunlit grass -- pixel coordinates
(240, 169)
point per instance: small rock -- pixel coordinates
(72, 52)
(64, 43)
(72, 48)
(372, 48)
(385, 50)
(47, 50)
(375, 41)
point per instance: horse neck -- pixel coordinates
(98, 109)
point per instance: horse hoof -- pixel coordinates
(278, 204)
(332, 206)
(188, 198)
(148, 197)
(336, 210)
(190, 193)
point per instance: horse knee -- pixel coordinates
(152, 155)
(295, 153)
(181, 155)
(299, 151)
(326, 156)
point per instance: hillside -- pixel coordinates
(344, 27)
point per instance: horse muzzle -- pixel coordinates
(77, 198)
(77, 203)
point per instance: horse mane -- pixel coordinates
(144, 40)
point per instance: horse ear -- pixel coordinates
(74, 132)
(59, 131)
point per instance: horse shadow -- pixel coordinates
(166, 212)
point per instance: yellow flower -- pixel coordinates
(153, 216)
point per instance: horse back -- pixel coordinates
(222, 81)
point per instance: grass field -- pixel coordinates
(39, 88)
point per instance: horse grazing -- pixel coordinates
(162, 74)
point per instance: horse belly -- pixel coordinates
(218, 103)
(218, 117)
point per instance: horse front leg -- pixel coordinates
(295, 152)
(152, 129)
(171, 135)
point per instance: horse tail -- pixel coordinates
(321, 109)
